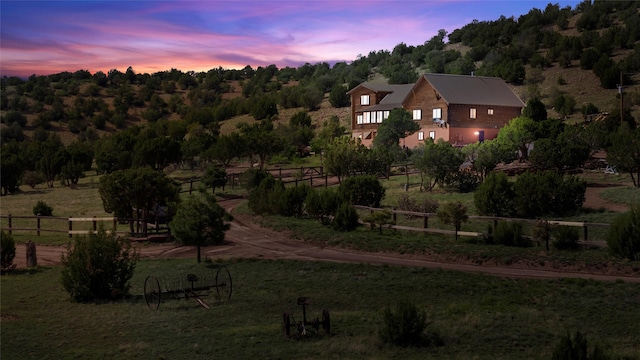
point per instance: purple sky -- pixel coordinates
(45, 37)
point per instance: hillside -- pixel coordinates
(83, 105)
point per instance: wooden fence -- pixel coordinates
(425, 223)
(38, 225)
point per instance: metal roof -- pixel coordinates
(473, 90)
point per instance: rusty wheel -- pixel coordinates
(224, 286)
(286, 325)
(152, 292)
(326, 322)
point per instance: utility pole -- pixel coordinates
(620, 87)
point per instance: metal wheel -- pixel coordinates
(326, 322)
(224, 286)
(152, 292)
(286, 325)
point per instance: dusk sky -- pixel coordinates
(46, 37)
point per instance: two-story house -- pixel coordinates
(457, 108)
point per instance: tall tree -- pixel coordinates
(624, 152)
(436, 161)
(518, 134)
(200, 221)
(134, 193)
(399, 125)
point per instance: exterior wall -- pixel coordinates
(464, 130)
(363, 131)
(425, 99)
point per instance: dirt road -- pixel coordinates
(246, 239)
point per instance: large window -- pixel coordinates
(437, 113)
(359, 119)
(432, 134)
(472, 113)
(367, 117)
(380, 116)
(420, 135)
(364, 99)
(417, 114)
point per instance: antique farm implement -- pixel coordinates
(216, 282)
(302, 327)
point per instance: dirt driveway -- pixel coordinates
(246, 239)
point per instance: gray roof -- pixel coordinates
(397, 94)
(473, 90)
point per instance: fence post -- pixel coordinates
(38, 224)
(395, 218)
(10, 231)
(585, 231)
(70, 227)
(326, 181)
(425, 222)
(311, 181)
(190, 185)
(95, 225)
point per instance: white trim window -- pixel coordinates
(359, 119)
(380, 116)
(367, 117)
(490, 111)
(364, 100)
(374, 117)
(472, 113)
(432, 134)
(437, 113)
(417, 114)
(420, 135)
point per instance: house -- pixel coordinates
(460, 109)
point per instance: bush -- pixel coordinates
(8, 249)
(33, 178)
(346, 218)
(510, 234)
(623, 237)
(566, 238)
(42, 209)
(464, 181)
(575, 348)
(405, 326)
(98, 266)
(260, 197)
(322, 204)
(363, 190)
(495, 196)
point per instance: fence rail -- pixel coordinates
(494, 219)
(69, 229)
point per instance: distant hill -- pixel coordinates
(558, 55)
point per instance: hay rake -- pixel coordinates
(189, 286)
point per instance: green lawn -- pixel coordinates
(477, 316)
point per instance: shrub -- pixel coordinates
(566, 238)
(405, 326)
(495, 196)
(576, 348)
(260, 197)
(42, 209)
(33, 178)
(8, 249)
(623, 237)
(252, 177)
(464, 181)
(322, 204)
(292, 201)
(510, 234)
(346, 218)
(453, 213)
(363, 190)
(98, 266)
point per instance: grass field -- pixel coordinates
(478, 317)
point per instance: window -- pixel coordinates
(437, 113)
(472, 113)
(385, 115)
(490, 111)
(380, 116)
(367, 117)
(373, 117)
(421, 135)
(364, 99)
(359, 119)
(417, 114)
(432, 134)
